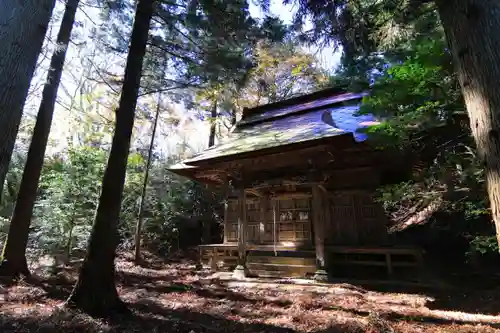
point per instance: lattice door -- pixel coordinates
(232, 220)
(293, 222)
(253, 220)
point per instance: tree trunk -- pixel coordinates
(140, 214)
(472, 30)
(23, 25)
(69, 243)
(213, 121)
(206, 223)
(95, 291)
(14, 253)
(233, 116)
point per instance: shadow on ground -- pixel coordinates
(147, 317)
(473, 297)
(467, 300)
(160, 297)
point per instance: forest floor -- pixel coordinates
(174, 297)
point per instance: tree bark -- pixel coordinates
(14, 253)
(95, 291)
(233, 116)
(140, 214)
(472, 29)
(213, 123)
(23, 25)
(206, 223)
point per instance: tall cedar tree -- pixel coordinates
(140, 213)
(14, 254)
(23, 25)
(213, 123)
(471, 28)
(95, 291)
(206, 42)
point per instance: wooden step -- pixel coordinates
(281, 260)
(269, 274)
(282, 269)
(278, 274)
(283, 253)
(278, 266)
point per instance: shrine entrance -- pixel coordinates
(279, 220)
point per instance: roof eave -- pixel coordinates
(341, 139)
(191, 172)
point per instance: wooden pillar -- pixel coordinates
(226, 206)
(242, 225)
(199, 265)
(388, 262)
(262, 225)
(213, 261)
(240, 271)
(318, 216)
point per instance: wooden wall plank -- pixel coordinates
(355, 219)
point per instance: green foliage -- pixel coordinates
(415, 95)
(176, 220)
(366, 29)
(476, 208)
(281, 70)
(417, 100)
(69, 192)
(12, 182)
(484, 245)
(392, 195)
(70, 188)
(202, 42)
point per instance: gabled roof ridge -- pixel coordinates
(295, 100)
(327, 100)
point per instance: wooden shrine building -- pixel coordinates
(299, 177)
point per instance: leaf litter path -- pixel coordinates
(173, 297)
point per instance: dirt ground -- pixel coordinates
(174, 297)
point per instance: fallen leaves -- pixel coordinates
(174, 297)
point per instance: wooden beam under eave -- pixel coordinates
(285, 181)
(254, 192)
(235, 178)
(212, 176)
(291, 195)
